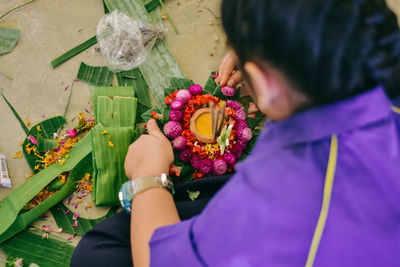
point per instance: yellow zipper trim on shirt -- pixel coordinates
(396, 109)
(329, 177)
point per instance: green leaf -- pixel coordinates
(179, 83)
(108, 162)
(47, 129)
(117, 112)
(153, 4)
(95, 75)
(45, 144)
(193, 195)
(106, 11)
(8, 40)
(73, 52)
(135, 78)
(160, 66)
(12, 204)
(66, 222)
(147, 115)
(210, 86)
(23, 126)
(111, 91)
(32, 248)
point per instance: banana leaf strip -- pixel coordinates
(160, 66)
(151, 5)
(111, 91)
(8, 40)
(135, 78)
(95, 75)
(14, 202)
(108, 162)
(47, 129)
(32, 248)
(73, 52)
(116, 112)
(45, 144)
(66, 222)
(21, 122)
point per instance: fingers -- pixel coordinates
(226, 68)
(234, 79)
(153, 129)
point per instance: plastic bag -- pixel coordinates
(125, 42)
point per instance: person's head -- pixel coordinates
(302, 53)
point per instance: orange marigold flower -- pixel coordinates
(154, 114)
(197, 175)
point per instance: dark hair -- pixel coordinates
(329, 49)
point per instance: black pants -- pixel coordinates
(108, 243)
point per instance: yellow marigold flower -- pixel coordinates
(28, 148)
(27, 123)
(17, 155)
(104, 132)
(37, 167)
(38, 128)
(110, 144)
(109, 138)
(61, 162)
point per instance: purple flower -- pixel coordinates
(185, 156)
(237, 151)
(233, 104)
(180, 143)
(240, 124)
(229, 158)
(240, 114)
(172, 129)
(196, 161)
(196, 89)
(228, 91)
(206, 166)
(219, 167)
(176, 115)
(177, 105)
(183, 95)
(245, 134)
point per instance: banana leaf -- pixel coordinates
(8, 39)
(45, 144)
(179, 83)
(160, 66)
(73, 52)
(13, 203)
(66, 222)
(47, 129)
(135, 78)
(153, 4)
(32, 248)
(116, 112)
(212, 88)
(21, 122)
(111, 91)
(95, 75)
(108, 162)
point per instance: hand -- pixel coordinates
(150, 155)
(226, 73)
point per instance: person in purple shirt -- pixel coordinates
(322, 185)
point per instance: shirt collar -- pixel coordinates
(323, 121)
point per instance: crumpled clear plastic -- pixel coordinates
(125, 42)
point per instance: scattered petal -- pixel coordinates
(72, 133)
(75, 224)
(87, 111)
(66, 212)
(32, 139)
(66, 87)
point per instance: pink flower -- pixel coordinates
(32, 139)
(219, 167)
(228, 91)
(240, 114)
(196, 161)
(91, 119)
(180, 143)
(237, 151)
(229, 158)
(233, 104)
(177, 105)
(195, 89)
(172, 129)
(176, 115)
(75, 216)
(206, 166)
(185, 156)
(240, 124)
(18, 262)
(72, 133)
(183, 95)
(245, 134)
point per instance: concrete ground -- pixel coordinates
(51, 27)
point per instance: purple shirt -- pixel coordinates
(267, 213)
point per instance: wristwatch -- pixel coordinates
(134, 187)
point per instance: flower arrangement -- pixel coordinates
(186, 119)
